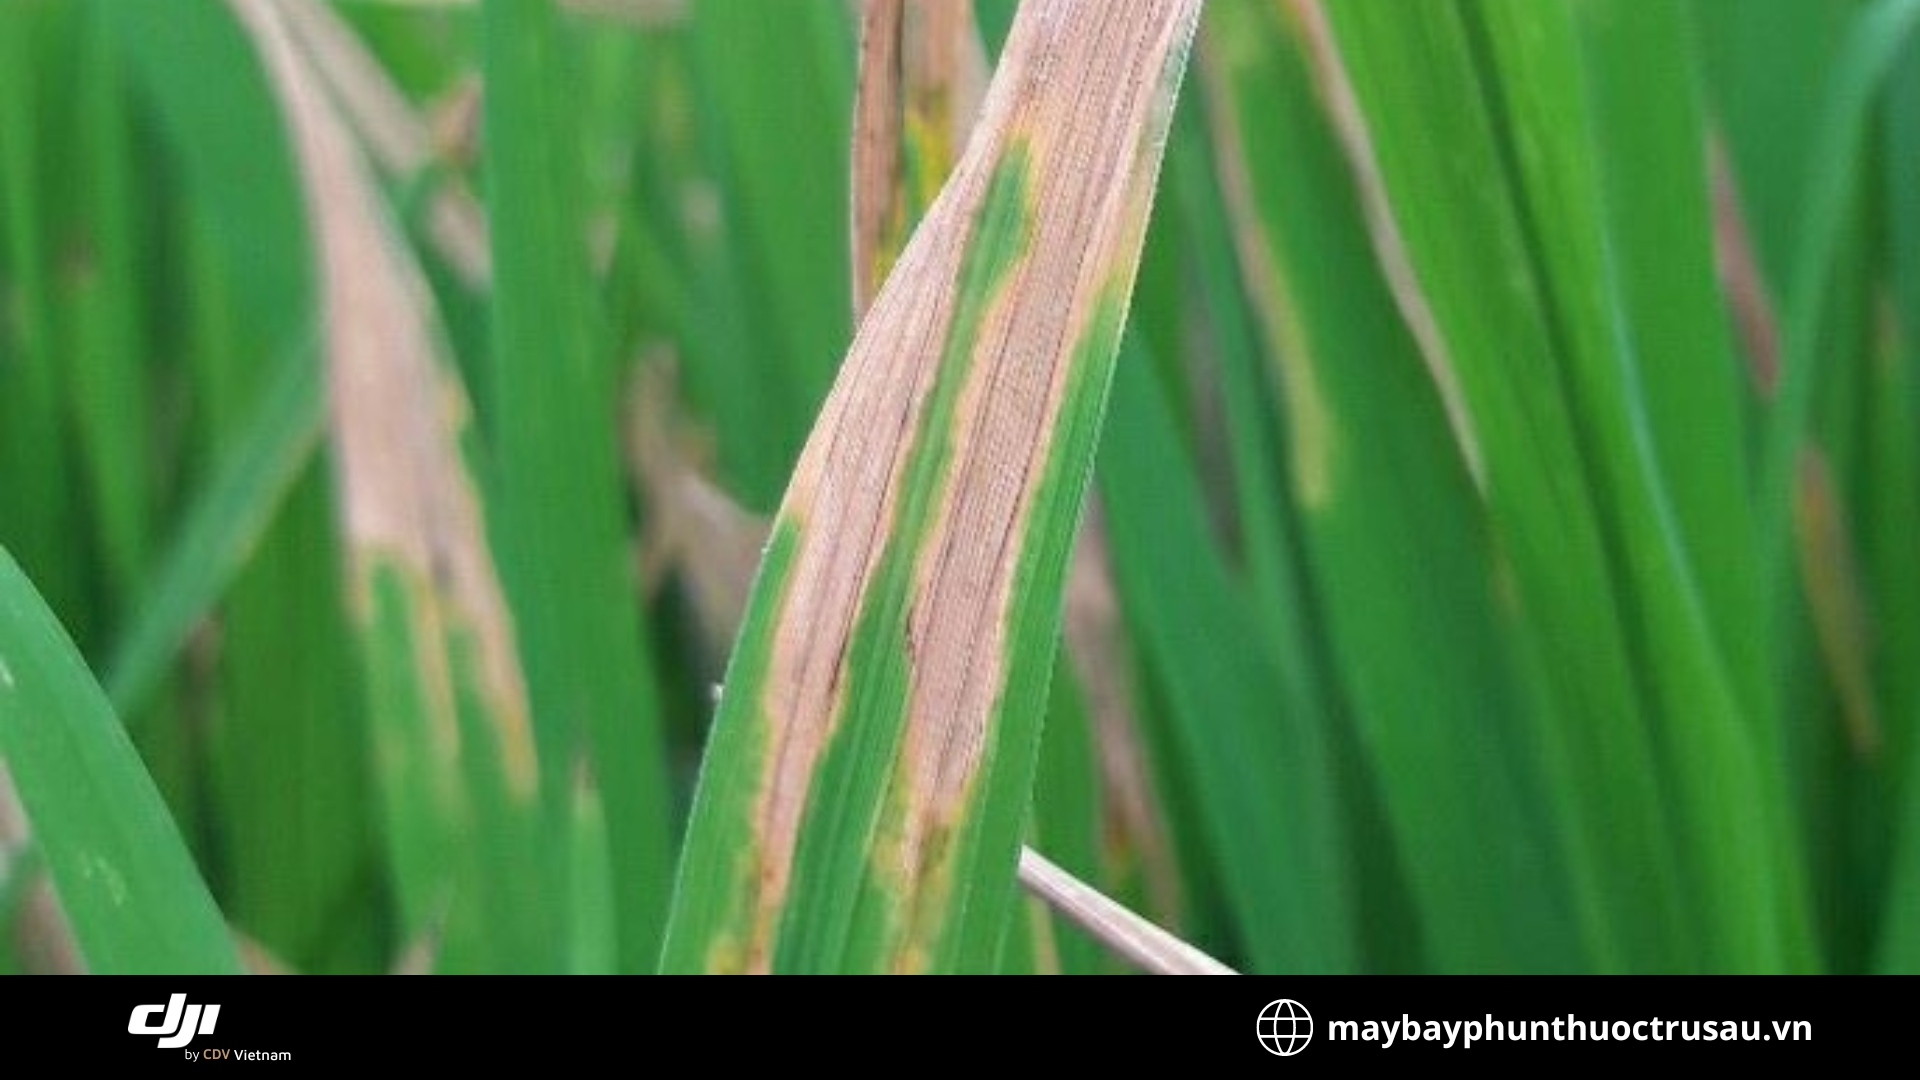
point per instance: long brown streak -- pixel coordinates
(1389, 246)
(1740, 277)
(1311, 432)
(1094, 155)
(876, 143)
(1095, 640)
(1831, 577)
(844, 491)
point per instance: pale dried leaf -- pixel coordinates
(393, 131)
(403, 486)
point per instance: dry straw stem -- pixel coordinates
(881, 710)
(1112, 923)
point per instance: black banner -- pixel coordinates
(1260, 1023)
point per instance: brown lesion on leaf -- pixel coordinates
(396, 414)
(1830, 575)
(876, 147)
(759, 867)
(1748, 300)
(42, 938)
(1349, 123)
(927, 903)
(1096, 645)
(848, 489)
(1092, 155)
(1310, 429)
(922, 76)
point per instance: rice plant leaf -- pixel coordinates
(1485, 137)
(37, 506)
(216, 115)
(1065, 821)
(1824, 306)
(291, 825)
(130, 890)
(1261, 768)
(1391, 519)
(1680, 387)
(107, 323)
(221, 526)
(779, 80)
(690, 268)
(397, 137)
(1874, 42)
(1127, 810)
(1418, 90)
(1765, 64)
(1891, 510)
(1646, 93)
(1830, 577)
(561, 524)
(864, 790)
(450, 711)
(922, 74)
(1897, 592)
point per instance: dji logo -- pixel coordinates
(180, 1023)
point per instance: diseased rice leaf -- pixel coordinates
(867, 781)
(451, 731)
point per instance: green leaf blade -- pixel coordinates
(130, 890)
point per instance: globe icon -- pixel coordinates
(1285, 1027)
